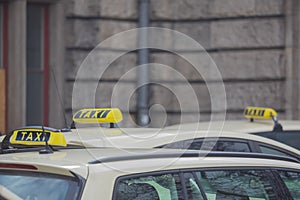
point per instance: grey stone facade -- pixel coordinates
(247, 39)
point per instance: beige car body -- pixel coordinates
(100, 178)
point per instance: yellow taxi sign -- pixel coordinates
(98, 115)
(259, 113)
(37, 136)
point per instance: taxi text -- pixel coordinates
(92, 114)
(32, 136)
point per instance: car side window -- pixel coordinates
(237, 184)
(232, 146)
(292, 182)
(211, 144)
(270, 150)
(210, 184)
(152, 187)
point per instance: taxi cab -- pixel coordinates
(183, 138)
(38, 164)
(259, 121)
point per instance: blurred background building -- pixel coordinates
(255, 44)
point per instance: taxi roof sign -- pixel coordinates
(259, 113)
(37, 137)
(98, 115)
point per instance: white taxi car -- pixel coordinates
(170, 137)
(261, 121)
(49, 169)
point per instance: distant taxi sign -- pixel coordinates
(37, 136)
(98, 115)
(259, 113)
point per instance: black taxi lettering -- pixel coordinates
(255, 112)
(92, 114)
(78, 114)
(32, 136)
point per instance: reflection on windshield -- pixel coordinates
(36, 186)
(7, 194)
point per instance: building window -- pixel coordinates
(37, 54)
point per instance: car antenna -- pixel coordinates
(47, 149)
(67, 128)
(277, 126)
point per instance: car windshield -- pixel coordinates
(290, 138)
(36, 185)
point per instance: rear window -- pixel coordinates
(290, 138)
(36, 185)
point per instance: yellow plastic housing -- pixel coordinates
(259, 113)
(98, 115)
(36, 136)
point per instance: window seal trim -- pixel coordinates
(199, 185)
(183, 185)
(281, 184)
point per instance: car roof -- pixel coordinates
(124, 161)
(71, 159)
(149, 138)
